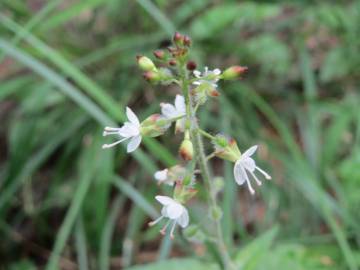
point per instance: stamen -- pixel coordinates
(268, 177)
(105, 133)
(252, 191)
(111, 129)
(152, 223)
(258, 182)
(172, 230)
(163, 230)
(113, 144)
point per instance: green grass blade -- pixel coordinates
(158, 16)
(135, 196)
(34, 21)
(38, 159)
(86, 174)
(107, 232)
(81, 244)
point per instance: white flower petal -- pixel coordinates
(164, 200)
(134, 143)
(174, 210)
(216, 71)
(168, 110)
(248, 163)
(129, 130)
(197, 73)
(250, 151)
(239, 173)
(163, 212)
(132, 117)
(180, 104)
(183, 220)
(161, 175)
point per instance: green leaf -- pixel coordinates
(249, 257)
(214, 20)
(177, 264)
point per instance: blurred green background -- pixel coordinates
(67, 69)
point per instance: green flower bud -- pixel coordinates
(153, 126)
(233, 72)
(145, 63)
(218, 183)
(152, 76)
(195, 234)
(216, 213)
(226, 148)
(183, 193)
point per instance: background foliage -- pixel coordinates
(67, 69)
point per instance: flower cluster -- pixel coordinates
(174, 67)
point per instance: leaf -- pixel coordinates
(336, 65)
(249, 257)
(214, 20)
(272, 54)
(177, 264)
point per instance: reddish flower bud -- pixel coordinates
(172, 62)
(213, 92)
(159, 54)
(152, 76)
(186, 150)
(191, 65)
(187, 41)
(178, 38)
(233, 72)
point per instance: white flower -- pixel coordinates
(130, 130)
(208, 76)
(174, 211)
(162, 177)
(170, 111)
(246, 165)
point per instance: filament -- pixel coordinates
(268, 177)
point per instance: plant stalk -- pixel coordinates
(200, 156)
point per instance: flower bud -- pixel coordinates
(226, 148)
(195, 234)
(187, 41)
(212, 92)
(182, 192)
(145, 63)
(233, 72)
(191, 231)
(218, 183)
(216, 213)
(186, 149)
(152, 76)
(205, 89)
(153, 126)
(178, 38)
(191, 65)
(159, 54)
(172, 62)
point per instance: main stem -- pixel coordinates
(197, 142)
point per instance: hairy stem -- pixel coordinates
(200, 156)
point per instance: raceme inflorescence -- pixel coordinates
(196, 88)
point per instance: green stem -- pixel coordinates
(206, 134)
(200, 156)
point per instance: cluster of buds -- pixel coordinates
(174, 66)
